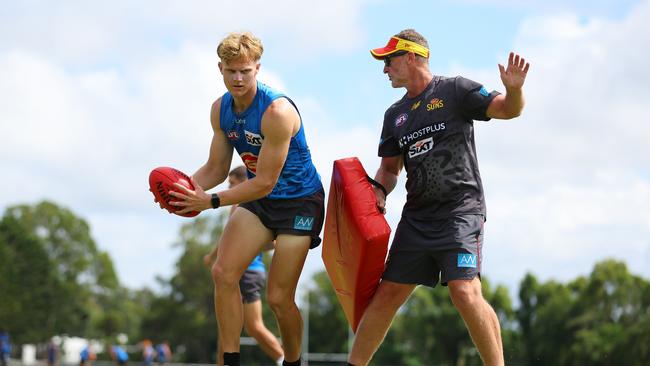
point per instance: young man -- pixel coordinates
(53, 352)
(119, 355)
(430, 132)
(5, 348)
(163, 353)
(87, 355)
(283, 197)
(251, 285)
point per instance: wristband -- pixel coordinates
(215, 200)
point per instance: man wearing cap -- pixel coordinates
(430, 132)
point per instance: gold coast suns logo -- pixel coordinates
(435, 103)
(250, 161)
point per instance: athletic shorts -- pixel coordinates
(251, 284)
(301, 216)
(426, 252)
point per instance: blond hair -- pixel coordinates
(240, 46)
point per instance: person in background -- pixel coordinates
(87, 355)
(119, 355)
(163, 352)
(5, 348)
(250, 285)
(148, 352)
(52, 351)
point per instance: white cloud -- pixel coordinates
(82, 33)
(585, 7)
(567, 183)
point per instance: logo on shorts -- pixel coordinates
(401, 119)
(303, 223)
(467, 260)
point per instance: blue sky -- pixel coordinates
(95, 95)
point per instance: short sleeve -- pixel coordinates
(388, 146)
(473, 98)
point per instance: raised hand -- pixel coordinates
(514, 75)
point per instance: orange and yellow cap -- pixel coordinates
(398, 44)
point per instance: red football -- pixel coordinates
(161, 182)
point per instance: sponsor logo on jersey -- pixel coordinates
(435, 103)
(253, 139)
(466, 260)
(240, 121)
(424, 131)
(401, 119)
(233, 135)
(483, 91)
(303, 222)
(250, 160)
(415, 105)
(421, 147)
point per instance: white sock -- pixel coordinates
(278, 362)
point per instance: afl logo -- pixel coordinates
(401, 119)
(233, 135)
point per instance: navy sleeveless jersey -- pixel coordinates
(299, 177)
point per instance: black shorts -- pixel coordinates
(426, 252)
(251, 284)
(297, 216)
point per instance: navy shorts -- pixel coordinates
(426, 252)
(251, 284)
(301, 216)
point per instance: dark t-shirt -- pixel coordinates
(434, 132)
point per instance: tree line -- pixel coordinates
(55, 280)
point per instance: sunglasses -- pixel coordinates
(387, 59)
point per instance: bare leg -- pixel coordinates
(242, 239)
(254, 325)
(480, 318)
(288, 260)
(377, 319)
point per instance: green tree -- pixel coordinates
(184, 312)
(52, 271)
(597, 320)
(610, 305)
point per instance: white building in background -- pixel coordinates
(28, 354)
(70, 348)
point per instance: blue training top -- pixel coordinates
(299, 177)
(257, 264)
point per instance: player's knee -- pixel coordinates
(279, 300)
(254, 330)
(463, 294)
(222, 277)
